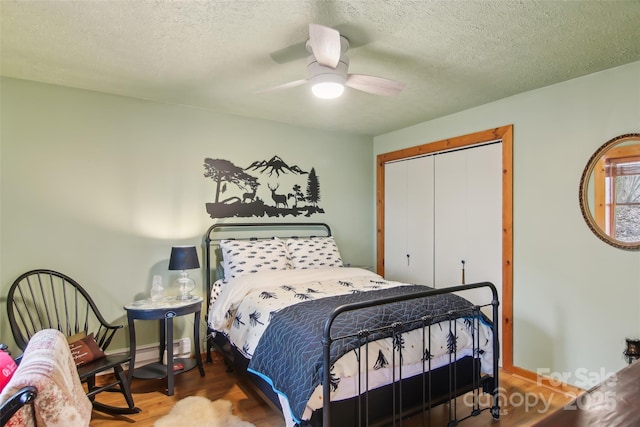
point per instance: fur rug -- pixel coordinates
(198, 411)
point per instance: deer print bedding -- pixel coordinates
(273, 318)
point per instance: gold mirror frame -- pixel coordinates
(584, 192)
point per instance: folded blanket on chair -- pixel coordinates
(48, 365)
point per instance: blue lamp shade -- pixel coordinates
(183, 258)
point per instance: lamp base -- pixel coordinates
(186, 284)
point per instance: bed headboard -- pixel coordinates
(253, 231)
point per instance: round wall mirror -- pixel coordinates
(610, 192)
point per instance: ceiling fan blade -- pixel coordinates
(325, 44)
(356, 35)
(283, 86)
(375, 85)
(290, 53)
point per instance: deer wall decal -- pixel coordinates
(279, 199)
(249, 196)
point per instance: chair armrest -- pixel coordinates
(22, 397)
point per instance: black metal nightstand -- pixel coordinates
(164, 311)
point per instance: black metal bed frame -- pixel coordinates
(355, 412)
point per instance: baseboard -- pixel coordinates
(547, 382)
(150, 352)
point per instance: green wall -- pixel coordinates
(100, 187)
(575, 297)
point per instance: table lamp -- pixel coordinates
(184, 258)
(632, 351)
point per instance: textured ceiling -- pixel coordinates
(452, 55)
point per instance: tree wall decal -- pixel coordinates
(313, 188)
(223, 171)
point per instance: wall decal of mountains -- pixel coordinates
(275, 165)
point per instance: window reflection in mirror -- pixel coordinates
(617, 193)
(610, 192)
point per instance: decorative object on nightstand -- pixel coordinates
(184, 258)
(157, 291)
(632, 351)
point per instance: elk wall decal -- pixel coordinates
(237, 190)
(279, 199)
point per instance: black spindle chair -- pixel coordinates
(45, 299)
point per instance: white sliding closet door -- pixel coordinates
(468, 217)
(409, 221)
(395, 214)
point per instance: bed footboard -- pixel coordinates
(348, 412)
(425, 388)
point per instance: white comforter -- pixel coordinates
(266, 292)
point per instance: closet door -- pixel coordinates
(409, 220)
(395, 217)
(468, 216)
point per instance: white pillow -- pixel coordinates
(314, 252)
(216, 288)
(252, 256)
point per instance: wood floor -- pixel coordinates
(522, 401)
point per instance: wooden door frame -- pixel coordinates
(505, 134)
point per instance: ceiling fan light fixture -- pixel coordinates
(327, 68)
(327, 86)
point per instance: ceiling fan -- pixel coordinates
(327, 66)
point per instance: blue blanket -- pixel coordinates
(289, 354)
